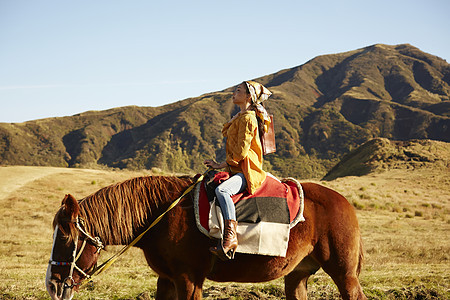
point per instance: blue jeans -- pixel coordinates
(232, 186)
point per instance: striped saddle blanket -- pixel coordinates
(264, 218)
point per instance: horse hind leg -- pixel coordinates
(296, 282)
(349, 287)
(295, 285)
(344, 271)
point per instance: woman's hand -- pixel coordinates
(213, 164)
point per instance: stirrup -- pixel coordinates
(220, 252)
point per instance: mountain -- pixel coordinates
(381, 154)
(323, 109)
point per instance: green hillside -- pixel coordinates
(323, 109)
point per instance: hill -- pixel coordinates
(323, 109)
(380, 154)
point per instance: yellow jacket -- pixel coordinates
(243, 149)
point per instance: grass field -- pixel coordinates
(403, 214)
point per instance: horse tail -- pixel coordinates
(361, 256)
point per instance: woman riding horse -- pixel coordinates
(177, 251)
(244, 158)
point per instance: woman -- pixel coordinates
(244, 158)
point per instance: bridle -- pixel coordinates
(69, 282)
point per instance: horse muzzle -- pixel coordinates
(59, 290)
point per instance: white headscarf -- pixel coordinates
(259, 94)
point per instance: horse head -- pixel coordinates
(74, 254)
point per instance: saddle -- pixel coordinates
(264, 218)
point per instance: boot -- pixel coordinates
(227, 246)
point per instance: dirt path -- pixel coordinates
(15, 177)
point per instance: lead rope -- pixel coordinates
(113, 258)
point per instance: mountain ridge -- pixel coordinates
(323, 109)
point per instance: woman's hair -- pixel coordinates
(260, 121)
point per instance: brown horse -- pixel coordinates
(177, 251)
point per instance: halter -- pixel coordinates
(69, 282)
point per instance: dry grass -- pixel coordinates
(404, 218)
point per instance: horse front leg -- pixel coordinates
(165, 289)
(188, 288)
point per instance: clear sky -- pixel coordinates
(59, 58)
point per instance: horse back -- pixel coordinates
(327, 207)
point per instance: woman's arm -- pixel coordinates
(247, 131)
(213, 164)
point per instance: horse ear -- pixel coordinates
(71, 205)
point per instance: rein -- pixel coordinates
(113, 258)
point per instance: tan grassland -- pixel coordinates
(403, 214)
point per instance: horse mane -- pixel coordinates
(115, 212)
